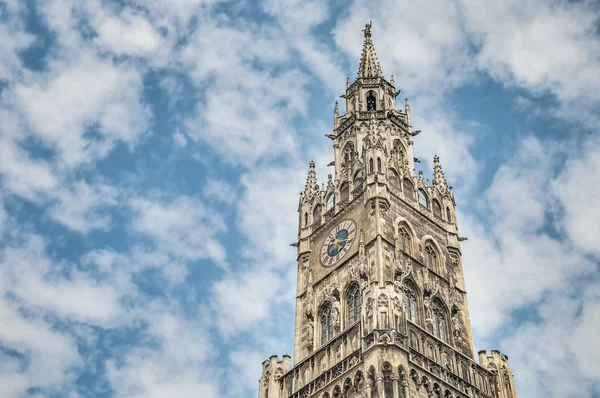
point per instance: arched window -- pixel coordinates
(326, 324)
(371, 167)
(423, 201)
(404, 240)
(448, 215)
(388, 385)
(330, 201)
(349, 153)
(398, 153)
(431, 260)
(409, 191)
(393, 179)
(439, 320)
(371, 102)
(353, 303)
(344, 192)
(337, 392)
(409, 298)
(379, 165)
(358, 179)
(317, 215)
(437, 209)
(306, 219)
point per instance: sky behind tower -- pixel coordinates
(152, 152)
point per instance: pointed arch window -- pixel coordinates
(353, 303)
(379, 165)
(371, 102)
(398, 153)
(409, 298)
(393, 179)
(326, 324)
(305, 219)
(371, 166)
(344, 192)
(439, 320)
(431, 258)
(330, 201)
(349, 153)
(423, 201)
(317, 215)
(409, 190)
(404, 239)
(437, 209)
(448, 214)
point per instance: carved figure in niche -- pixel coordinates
(354, 343)
(309, 296)
(310, 333)
(369, 314)
(428, 313)
(456, 324)
(364, 270)
(335, 313)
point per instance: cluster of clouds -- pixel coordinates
(132, 283)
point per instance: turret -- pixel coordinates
(270, 384)
(497, 363)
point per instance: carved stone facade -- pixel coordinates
(381, 306)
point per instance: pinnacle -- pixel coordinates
(311, 180)
(369, 64)
(438, 174)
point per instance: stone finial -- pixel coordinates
(369, 64)
(439, 180)
(312, 187)
(336, 109)
(407, 112)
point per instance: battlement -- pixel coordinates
(273, 362)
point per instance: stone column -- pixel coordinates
(379, 379)
(395, 379)
(369, 388)
(405, 388)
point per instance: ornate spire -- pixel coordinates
(369, 64)
(439, 179)
(407, 112)
(311, 187)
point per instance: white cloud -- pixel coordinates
(62, 106)
(578, 189)
(129, 34)
(183, 227)
(514, 261)
(177, 368)
(78, 206)
(220, 191)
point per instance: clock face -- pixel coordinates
(338, 243)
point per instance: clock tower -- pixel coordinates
(381, 304)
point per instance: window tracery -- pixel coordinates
(431, 260)
(439, 320)
(423, 201)
(371, 101)
(344, 192)
(409, 298)
(404, 239)
(393, 179)
(353, 303)
(330, 201)
(409, 190)
(326, 324)
(317, 215)
(437, 209)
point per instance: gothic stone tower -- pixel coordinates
(381, 305)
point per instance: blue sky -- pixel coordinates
(152, 152)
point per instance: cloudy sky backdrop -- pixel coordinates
(152, 152)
